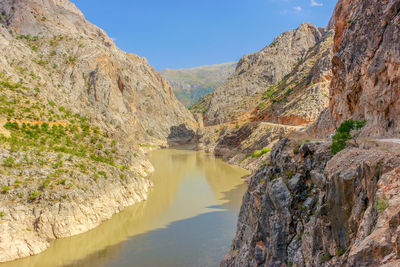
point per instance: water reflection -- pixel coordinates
(191, 211)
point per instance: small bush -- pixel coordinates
(62, 182)
(103, 173)
(326, 257)
(296, 149)
(11, 126)
(343, 134)
(8, 162)
(5, 189)
(382, 204)
(34, 195)
(340, 252)
(259, 153)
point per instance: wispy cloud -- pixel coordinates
(315, 3)
(297, 8)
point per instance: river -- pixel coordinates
(189, 219)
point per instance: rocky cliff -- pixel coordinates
(270, 95)
(308, 207)
(50, 44)
(76, 116)
(366, 65)
(284, 76)
(189, 85)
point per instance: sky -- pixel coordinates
(187, 33)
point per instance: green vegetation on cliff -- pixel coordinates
(343, 134)
(35, 134)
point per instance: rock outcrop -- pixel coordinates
(309, 208)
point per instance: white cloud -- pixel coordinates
(297, 8)
(315, 3)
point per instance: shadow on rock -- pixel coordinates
(181, 135)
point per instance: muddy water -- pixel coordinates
(189, 219)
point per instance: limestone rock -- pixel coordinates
(57, 69)
(288, 66)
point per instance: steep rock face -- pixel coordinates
(189, 85)
(81, 115)
(308, 208)
(78, 65)
(255, 73)
(274, 110)
(366, 65)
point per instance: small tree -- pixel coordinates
(343, 134)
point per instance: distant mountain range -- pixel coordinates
(190, 85)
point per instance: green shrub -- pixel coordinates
(340, 252)
(8, 162)
(103, 173)
(46, 183)
(288, 91)
(296, 149)
(2, 214)
(382, 204)
(11, 126)
(343, 134)
(62, 182)
(5, 189)
(34, 195)
(259, 153)
(326, 257)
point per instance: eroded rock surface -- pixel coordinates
(366, 65)
(273, 74)
(309, 208)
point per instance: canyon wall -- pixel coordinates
(77, 116)
(276, 76)
(308, 207)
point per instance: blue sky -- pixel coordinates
(188, 33)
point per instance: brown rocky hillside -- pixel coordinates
(286, 79)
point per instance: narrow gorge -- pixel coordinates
(289, 157)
